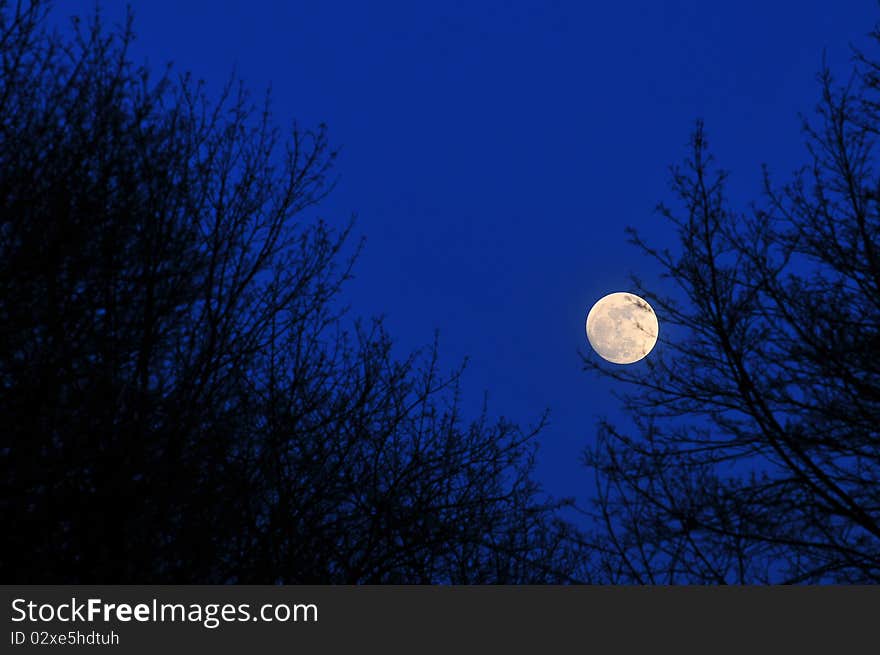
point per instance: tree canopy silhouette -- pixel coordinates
(755, 451)
(183, 397)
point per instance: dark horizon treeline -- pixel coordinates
(184, 400)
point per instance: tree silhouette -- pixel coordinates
(756, 453)
(183, 397)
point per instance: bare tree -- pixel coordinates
(754, 454)
(183, 396)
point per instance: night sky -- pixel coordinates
(494, 152)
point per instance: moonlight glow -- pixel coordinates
(622, 328)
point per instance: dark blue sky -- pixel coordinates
(494, 153)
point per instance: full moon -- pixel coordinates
(622, 328)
